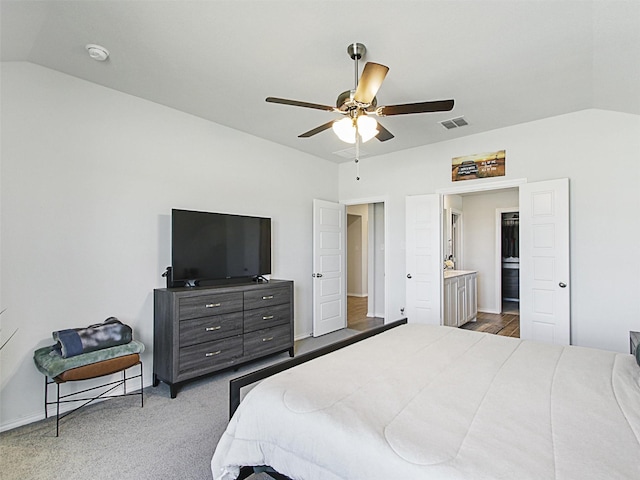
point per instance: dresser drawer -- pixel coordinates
(209, 305)
(634, 342)
(268, 340)
(209, 356)
(266, 317)
(200, 330)
(266, 297)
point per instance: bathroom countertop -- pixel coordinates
(457, 273)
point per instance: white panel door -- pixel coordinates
(545, 290)
(329, 267)
(423, 262)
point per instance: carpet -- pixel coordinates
(116, 439)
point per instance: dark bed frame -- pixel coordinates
(236, 384)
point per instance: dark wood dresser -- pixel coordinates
(201, 330)
(634, 342)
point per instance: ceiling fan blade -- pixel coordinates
(296, 103)
(316, 130)
(420, 107)
(370, 81)
(383, 134)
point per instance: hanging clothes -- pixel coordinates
(510, 237)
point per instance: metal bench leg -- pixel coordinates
(110, 386)
(57, 409)
(46, 389)
(141, 387)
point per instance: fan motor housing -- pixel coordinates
(356, 50)
(345, 101)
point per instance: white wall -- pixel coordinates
(597, 150)
(89, 176)
(354, 254)
(376, 308)
(357, 250)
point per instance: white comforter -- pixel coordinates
(422, 402)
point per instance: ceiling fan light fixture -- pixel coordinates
(345, 129)
(367, 127)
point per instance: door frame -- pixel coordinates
(459, 259)
(498, 280)
(473, 188)
(385, 201)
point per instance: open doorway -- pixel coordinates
(489, 241)
(365, 266)
(545, 300)
(509, 238)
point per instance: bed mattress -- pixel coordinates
(433, 402)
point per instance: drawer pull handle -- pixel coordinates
(211, 305)
(268, 317)
(267, 297)
(267, 339)
(212, 329)
(212, 354)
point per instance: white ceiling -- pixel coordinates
(504, 61)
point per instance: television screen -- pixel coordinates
(216, 246)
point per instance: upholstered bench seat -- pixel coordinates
(86, 366)
(99, 369)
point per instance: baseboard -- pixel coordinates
(489, 310)
(302, 337)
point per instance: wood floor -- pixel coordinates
(357, 315)
(506, 323)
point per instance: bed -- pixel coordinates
(428, 402)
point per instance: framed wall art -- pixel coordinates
(479, 165)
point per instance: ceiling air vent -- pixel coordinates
(454, 123)
(351, 153)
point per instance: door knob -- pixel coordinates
(318, 275)
(562, 284)
(408, 275)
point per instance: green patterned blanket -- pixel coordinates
(51, 363)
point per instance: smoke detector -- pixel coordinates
(97, 52)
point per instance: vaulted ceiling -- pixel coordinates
(504, 62)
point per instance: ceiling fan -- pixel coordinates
(360, 104)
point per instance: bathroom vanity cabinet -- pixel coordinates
(460, 297)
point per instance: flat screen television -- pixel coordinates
(218, 247)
